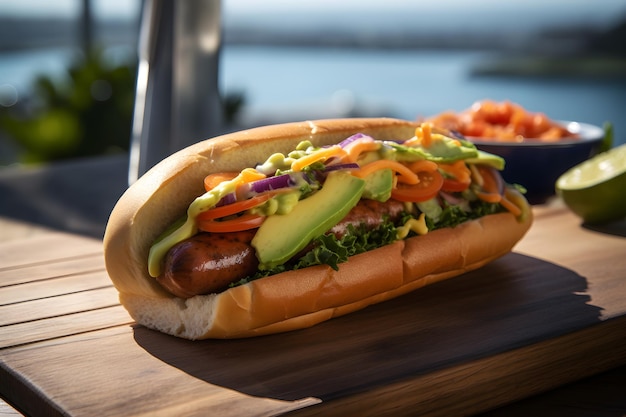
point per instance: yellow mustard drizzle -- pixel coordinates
(413, 225)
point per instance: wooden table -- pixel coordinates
(550, 313)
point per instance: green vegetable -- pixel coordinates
(283, 235)
(328, 250)
(444, 151)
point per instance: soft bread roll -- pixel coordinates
(291, 300)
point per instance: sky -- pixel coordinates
(453, 17)
(590, 9)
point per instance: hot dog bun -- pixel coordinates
(291, 300)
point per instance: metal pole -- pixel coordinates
(197, 110)
(177, 99)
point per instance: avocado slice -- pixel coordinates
(281, 236)
(378, 185)
(442, 149)
(487, 158)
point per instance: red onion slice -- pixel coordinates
(353, 138)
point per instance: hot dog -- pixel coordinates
(216, 260)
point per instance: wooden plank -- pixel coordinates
(46, 247)
(474, 387)
(559, 236)
(78, 372)
(600, 395)
(522, 324)
(57, 306)
(50, 269)
(53, 287)
(13, 229)
(597, 254)
(62, 326)
(458, 388)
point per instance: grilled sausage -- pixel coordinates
(207, 263)
(369, 213)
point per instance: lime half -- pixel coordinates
(596, 189)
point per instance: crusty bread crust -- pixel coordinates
(291, 300)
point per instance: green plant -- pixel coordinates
(88, 114)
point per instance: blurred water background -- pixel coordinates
(284, 61)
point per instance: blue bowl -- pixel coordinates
(536, 165)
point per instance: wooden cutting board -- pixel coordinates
(552, 312)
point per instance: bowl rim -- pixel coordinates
(589, 133)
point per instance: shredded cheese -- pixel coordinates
(458, 170)
(476, 177)
(490, 197)
(250, 174)
(320, 155)
(405, 174)
(413, 225)
(426, 129)
(423, 136)
(355, 150)
(511, 207)
(423, 165)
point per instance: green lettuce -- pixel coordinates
(329, 250)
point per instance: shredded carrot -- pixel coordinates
(423, 165)
(405, 174)
(458, 170)
(426, 129)
(490, 181)
(415, 140)
(213, 180)
(354, 151)
(490, 197)
(247, 175)
(511, 207)
(321, 155)
(476, 176)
